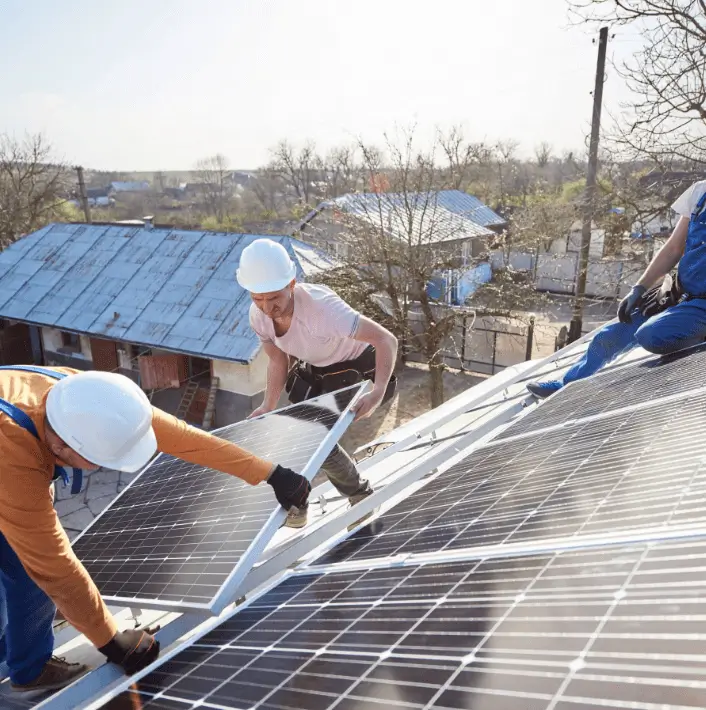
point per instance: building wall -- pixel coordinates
(246, 380)
(56, 354)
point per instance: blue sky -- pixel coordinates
(158, 84)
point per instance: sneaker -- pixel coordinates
(56, 674)
(544, 389)
(297, 517)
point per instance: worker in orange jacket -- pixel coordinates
(51, 418)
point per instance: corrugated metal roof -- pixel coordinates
(163, 288)
(432, 221)
(469, 206)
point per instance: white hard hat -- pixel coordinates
(104, 417)
(265, 266)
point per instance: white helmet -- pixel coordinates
(265, 266)
(104, 417)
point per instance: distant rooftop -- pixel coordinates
(163, 288)
(447, 215)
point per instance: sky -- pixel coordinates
(159, 84)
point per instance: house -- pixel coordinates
(129, 186)
(159, 305)
(100, 196)
(450, 217)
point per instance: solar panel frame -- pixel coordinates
(611, 474)
(566, 619)
(227, 591)
(615, 389)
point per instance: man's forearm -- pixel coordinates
(662, 263)
(385, 358)
(276, 379)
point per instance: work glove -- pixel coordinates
(630, 303)
(133, 650)
(291, 489)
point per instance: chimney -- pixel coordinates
(149, 222)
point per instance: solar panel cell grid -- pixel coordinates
(622, 473)
(624, 387)
(180, 529)
(594, 629)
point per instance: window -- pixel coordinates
(71, 341)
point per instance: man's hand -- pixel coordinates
(367, 404)
(262, 409)
(291, 488)
(134, 649)
(630, 303)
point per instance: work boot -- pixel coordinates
(356, 498)
(297, 517)
(56, 674)
(542, 390)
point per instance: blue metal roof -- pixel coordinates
(461, 203)
(448, 215)
(164, 288)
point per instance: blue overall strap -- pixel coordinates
(21, 418)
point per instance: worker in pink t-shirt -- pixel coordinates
(333, 345)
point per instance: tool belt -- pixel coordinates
(306, 381)
(664, 296)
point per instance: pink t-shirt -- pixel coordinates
(322, 329)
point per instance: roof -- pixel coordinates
(95, 192)
(130, 186)
(438, 217)
(461, 203)
(164, 288)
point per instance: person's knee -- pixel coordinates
(657, 341)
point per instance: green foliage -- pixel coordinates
(573, 190)
(64, 211)
(227, 224)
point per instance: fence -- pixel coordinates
(485, 345)
(557, 273)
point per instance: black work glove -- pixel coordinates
(133, 650)
(630, 303)
(291, 488)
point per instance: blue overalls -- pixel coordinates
(679, 327)
(26, 612)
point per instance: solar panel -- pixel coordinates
(631, 471)
(629, 385)
(615, 627)
(175, 536)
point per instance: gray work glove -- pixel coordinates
(632, 301)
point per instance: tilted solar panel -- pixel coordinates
(629, 385)
(630, 471)
(615, 627)
(174, 537)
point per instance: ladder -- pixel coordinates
(187, 399)
(210, 405)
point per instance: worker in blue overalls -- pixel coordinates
(678, 326)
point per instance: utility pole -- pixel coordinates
(82, 194)
(576, 324)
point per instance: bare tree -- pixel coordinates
(268, 189)
(298, 169)
(667, 75)
(340, 171)
(504, 151)
(462, 155)
(543, 154)
(398, 240)
(32, 182)
(214, 177)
